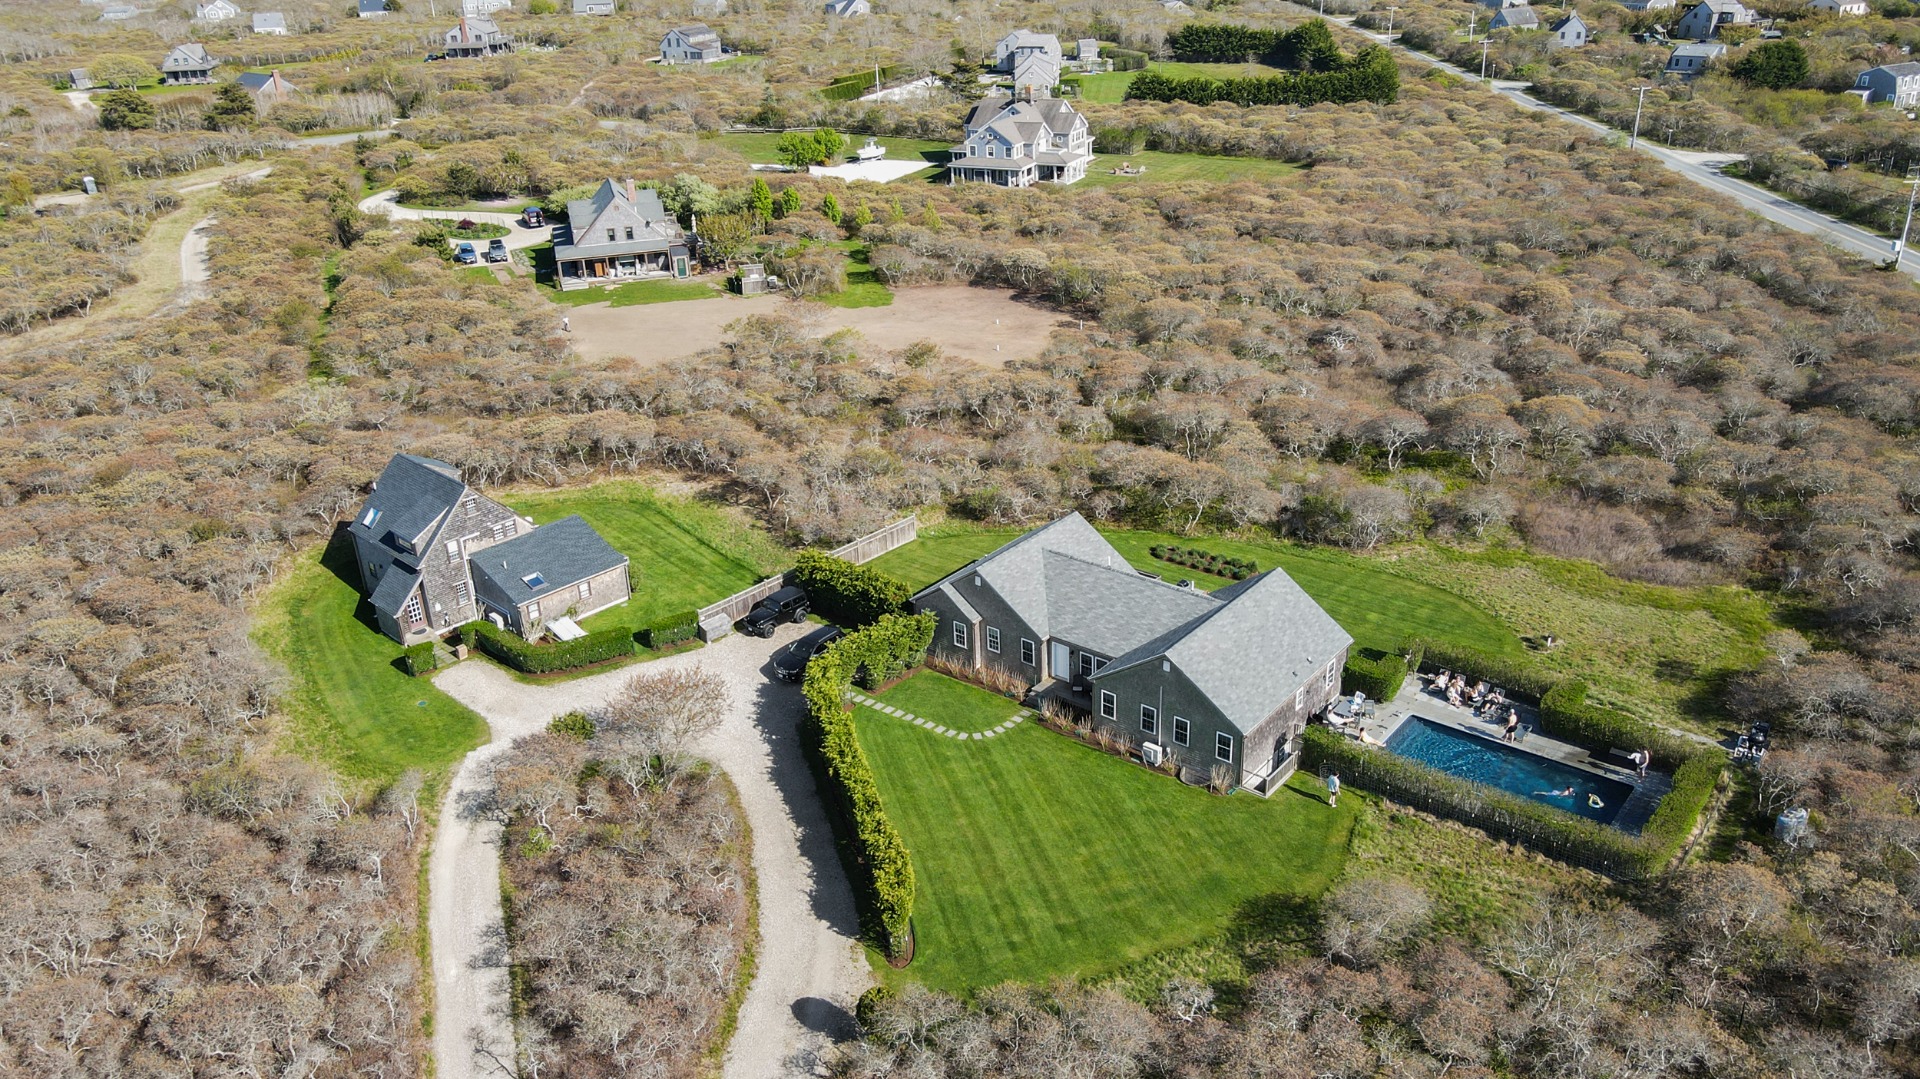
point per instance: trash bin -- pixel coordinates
(1791, 827)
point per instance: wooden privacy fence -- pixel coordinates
(717, 619)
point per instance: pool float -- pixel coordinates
(1594, 802)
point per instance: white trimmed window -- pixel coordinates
(1149, 719)
(462, 593)
(1299, 698)
(959, 634)
(1029, 654)
(586, 589)
(1332, 673)
(453, 552)
(533, 611)
(1223, 747)
(1109, 706)
(414, 612)
(993, 639)
(1182, 731)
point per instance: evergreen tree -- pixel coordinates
(1774, 65)
(760, 200)
(232, 107)
(789, 202)
(830, 208)
(125, 110)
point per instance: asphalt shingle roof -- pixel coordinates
(561, 554)
(411, 494)
(1110, 609)
(396, 584)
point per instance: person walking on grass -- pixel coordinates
(1333, 789)
(566, 324)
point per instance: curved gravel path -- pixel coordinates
(811, 969)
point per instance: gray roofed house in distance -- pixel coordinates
(1692, 58)
(371, 9)
(620, 234)
(694, 43)
(270, 22)
(1896, 83)
(266, 89)
(1514, 18)
(418, 537)
(1221, 683)
(187, 64)
(476, 36)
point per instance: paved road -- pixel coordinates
(1702, 169)
(811, 970)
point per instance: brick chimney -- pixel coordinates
(632, 195)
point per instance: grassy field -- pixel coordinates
(1183, 168)
(1037, 856)
(762, 147)
(864, 288)
(686, 554)
(348, 702)
(1112, 86)
(635, 293)
(1376, 606)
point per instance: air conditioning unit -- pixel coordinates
(1153, 754)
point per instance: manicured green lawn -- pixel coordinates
(1039, 857)
(348, 702)
(864, 288)
(1112, 86)
(1183, 168)
(1376, 606)
(685, 554)
(635, 293)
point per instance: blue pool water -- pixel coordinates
(1497, 764)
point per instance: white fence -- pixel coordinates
(716, 620)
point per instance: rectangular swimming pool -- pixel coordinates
(1497, 764)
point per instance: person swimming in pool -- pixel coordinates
(1568, 793)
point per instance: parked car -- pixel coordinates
(532, 217)
(464, 254)
(787, 605)
(496, 251)
(791, 662)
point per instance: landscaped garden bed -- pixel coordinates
(1238, 569)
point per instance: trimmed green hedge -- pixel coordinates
(674, 628)
(1566, 715)
(509, 649)
(421, 660)
(1551, 831)
(1380, 679)
(885, 872)
(1193, 558)
(1124, 59)
(847, 594)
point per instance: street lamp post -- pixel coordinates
(1641, 104)
(1485, 44)
(1913, 189)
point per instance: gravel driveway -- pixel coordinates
(811, 970)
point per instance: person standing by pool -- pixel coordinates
(1333, 789)
(1646, 758)
(1513, 725)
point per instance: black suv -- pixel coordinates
(791, 662)
(787, 605)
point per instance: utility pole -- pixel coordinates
(1913, 188)
(1390, 14)
(1641, 104)
(1472, 18)
(1485, 44)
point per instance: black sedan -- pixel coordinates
(791, 662)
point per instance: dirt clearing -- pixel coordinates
(987, 326)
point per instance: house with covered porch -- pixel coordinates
(620, 234)
(1021, 141)
(1220, 682)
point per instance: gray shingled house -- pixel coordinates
(1225, 679)
(419, 542)
(620, 234)
(1021, 141)
(187, 64)
(695, 43)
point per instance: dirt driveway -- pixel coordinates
(811, 970)
(987, 326)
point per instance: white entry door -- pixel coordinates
(1059, 660)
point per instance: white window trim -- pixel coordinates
(993, 639)
(1222, 739)
(1299, 698)
(1029, 652)
(1109, 705)
(1180, 739)
(959, 634)
(1150, 719)
(533, 611)
(1331, 669)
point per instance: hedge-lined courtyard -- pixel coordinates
(1037, 856)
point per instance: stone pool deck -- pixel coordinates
(1414, 700)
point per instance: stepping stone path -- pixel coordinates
(963, 736)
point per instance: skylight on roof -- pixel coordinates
(533, 580)
(373, 515)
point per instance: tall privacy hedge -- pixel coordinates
(895, 642)
(847, 594)
(511, 650)
(1379, 678)
(671, 629)
(1551, 831)
(1371, 75)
